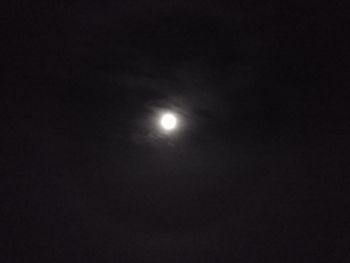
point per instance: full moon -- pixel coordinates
(168, 121)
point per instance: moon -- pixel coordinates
(168, 121)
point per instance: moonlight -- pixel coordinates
(168, 121)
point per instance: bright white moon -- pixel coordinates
(168, 121)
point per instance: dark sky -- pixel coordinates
(258, 173)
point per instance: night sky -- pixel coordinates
(258, 170)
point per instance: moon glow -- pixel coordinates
(168, 121)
